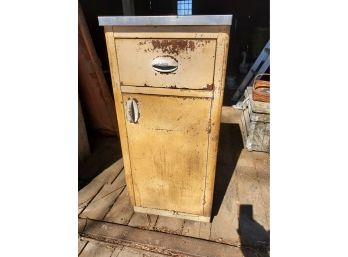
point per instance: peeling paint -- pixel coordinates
(210, 86)
(173, 46)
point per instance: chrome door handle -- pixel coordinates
(165, 64)
(132, 111)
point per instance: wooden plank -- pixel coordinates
(93, 89)
(94, 249)
(251, 210)
(142, 220)
(82, 244)
(225, 223)
(205, 230)
(118, 249)
(110, 43)
(215, 115)
(169, 225)
(262, 165)
(196, 229)
(87, 193)
(121, 211)
(172, 214)
(191, 228)
(133, 252)
(230, 115)
(102, 202)
(167, 91)
(157, 242)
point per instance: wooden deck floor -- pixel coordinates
(88, 248)
(239, 226)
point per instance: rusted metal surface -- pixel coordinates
(210, 87)
(173, 46)
(173, 62)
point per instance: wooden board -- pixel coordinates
(133, 252)
(121, 211)
(247, 190)
(93, 89)
(87, 193)
(173, 245)
(82, 244)
(171, 214)
(142, 220)
(225, 224)
(169, 225)
(243, 216)
(93, 249)
(102, 202)
(97, 248)
(230, 115)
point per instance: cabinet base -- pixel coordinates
(174, 214)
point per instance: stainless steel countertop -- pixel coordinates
(165, 20)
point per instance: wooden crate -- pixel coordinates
(255, 124)
(168, 83)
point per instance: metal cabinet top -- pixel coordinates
(205, 20)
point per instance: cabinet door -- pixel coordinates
(168, 150)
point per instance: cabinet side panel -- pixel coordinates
(110, 42)
(219, 83)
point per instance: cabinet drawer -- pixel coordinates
(166, 63)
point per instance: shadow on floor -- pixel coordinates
(106, 151)
(230, 147)
(252, 235)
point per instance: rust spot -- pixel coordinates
(142, 43)
(208, 129)
(145, 85)
(121, 83)
(210, 87)
(162, 129)
(173, 46)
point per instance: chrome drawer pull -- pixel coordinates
(132, 111)
(164, 64)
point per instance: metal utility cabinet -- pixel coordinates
(168, 76)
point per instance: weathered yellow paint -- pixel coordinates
(195, 60)
(167, 91)
(170, 152)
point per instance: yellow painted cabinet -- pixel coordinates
(168, 80)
